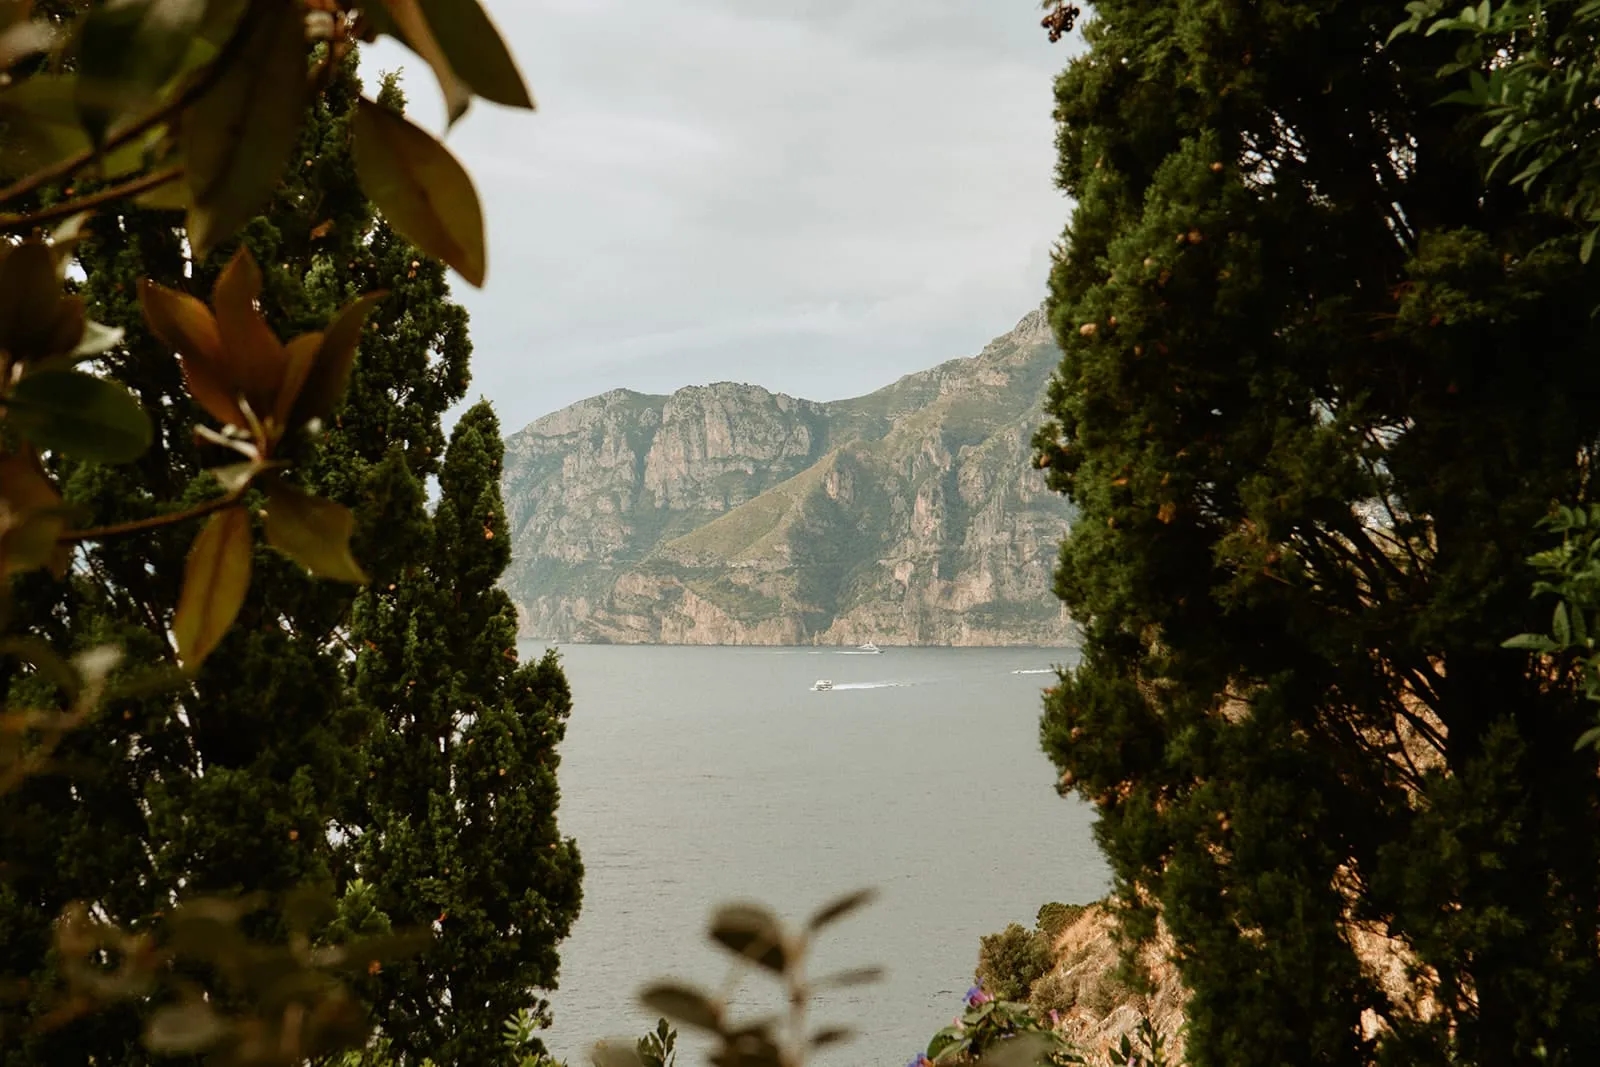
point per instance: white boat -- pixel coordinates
(822, 685)
(869, 648)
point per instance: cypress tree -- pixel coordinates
(1318, 387)
(460, 830)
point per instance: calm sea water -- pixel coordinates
(693, 776)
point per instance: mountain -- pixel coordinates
(726, 514)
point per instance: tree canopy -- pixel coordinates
(1320, 384)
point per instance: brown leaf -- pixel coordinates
(238, 136)
(302, 356)
(32, 517)
(186, 326)
(313, 532)
(30, 300)
(476, 51)
(420, 188)
(329, 375)
(215, 581)
(251, 352)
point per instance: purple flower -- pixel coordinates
(976, 996)
(919, 1060)
(1055, 1018)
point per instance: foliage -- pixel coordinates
(758, 942)
(1317, 389)
(1145, 1047)
(1012, 960)
(459, 814)
(1532, 72)
(131, 790)
(658, 1048)
(993, 1031)
(1571, 572)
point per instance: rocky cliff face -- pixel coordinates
(725, 514)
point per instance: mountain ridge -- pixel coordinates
(730, 514)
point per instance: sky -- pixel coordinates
(816, 196)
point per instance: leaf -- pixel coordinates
(688, 1006)
(81, 415)
(751, 932)
(39, 120)
(1560, 629)
(1530, 643)
(252, 356)
(329, 375)
(1024, 1050)
(476, 51)
(237, 138)
(301, 357)
(312, 531)
(852, 977)
(1589, 737)
(127, 50)
(186, 326)
(420, 188)
(215, 581)
(32, 518)
(615, 1054)
(835, 910)
(831, 1036)
(407, 21)
(98, 339)
(30, 301)
(188, 1027)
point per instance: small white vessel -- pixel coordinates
(869, 648)
(822, 685)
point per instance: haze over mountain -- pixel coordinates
(727, 514)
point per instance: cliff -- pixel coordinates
(726, 514)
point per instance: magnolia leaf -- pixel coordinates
(408, 22)
(189, 1027)
(215, 581)
(420, 188)
(838, 909)
(688, 1006)
(30, 300)
(127, 50)
(39, 117)
(32, 518)
(81, 415)
(237, 138)
(476, 51)
(313, 532)
(251, 353)
(751, 932)
(235, 476)
(98, 339)
(302, 356)
(329, 374)
(186, 326)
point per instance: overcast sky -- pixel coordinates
(816, 196)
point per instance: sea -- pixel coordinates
(693, 777)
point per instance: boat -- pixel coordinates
(869, 648)
(822, 685)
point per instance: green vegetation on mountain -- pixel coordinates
(725, 514)
(1320, 382)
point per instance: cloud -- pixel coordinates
(815, 195)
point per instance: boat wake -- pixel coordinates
(1035, 670)
(870, 685)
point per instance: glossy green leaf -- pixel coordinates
(476, 51)
(753, 933)
(420, 188)
(682, 1004)
(39, 124)
(329, 375)
(127, 50)
(237, 138)
(215, 580)
(81, 415)
(313, 532)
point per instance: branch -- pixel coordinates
(150, 181)
(154, 522)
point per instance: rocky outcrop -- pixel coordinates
(726, 514)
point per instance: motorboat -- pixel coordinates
(869, 648)
(822, 685)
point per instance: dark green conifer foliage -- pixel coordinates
(461, 829)
(1318, 386)
(253, 778)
